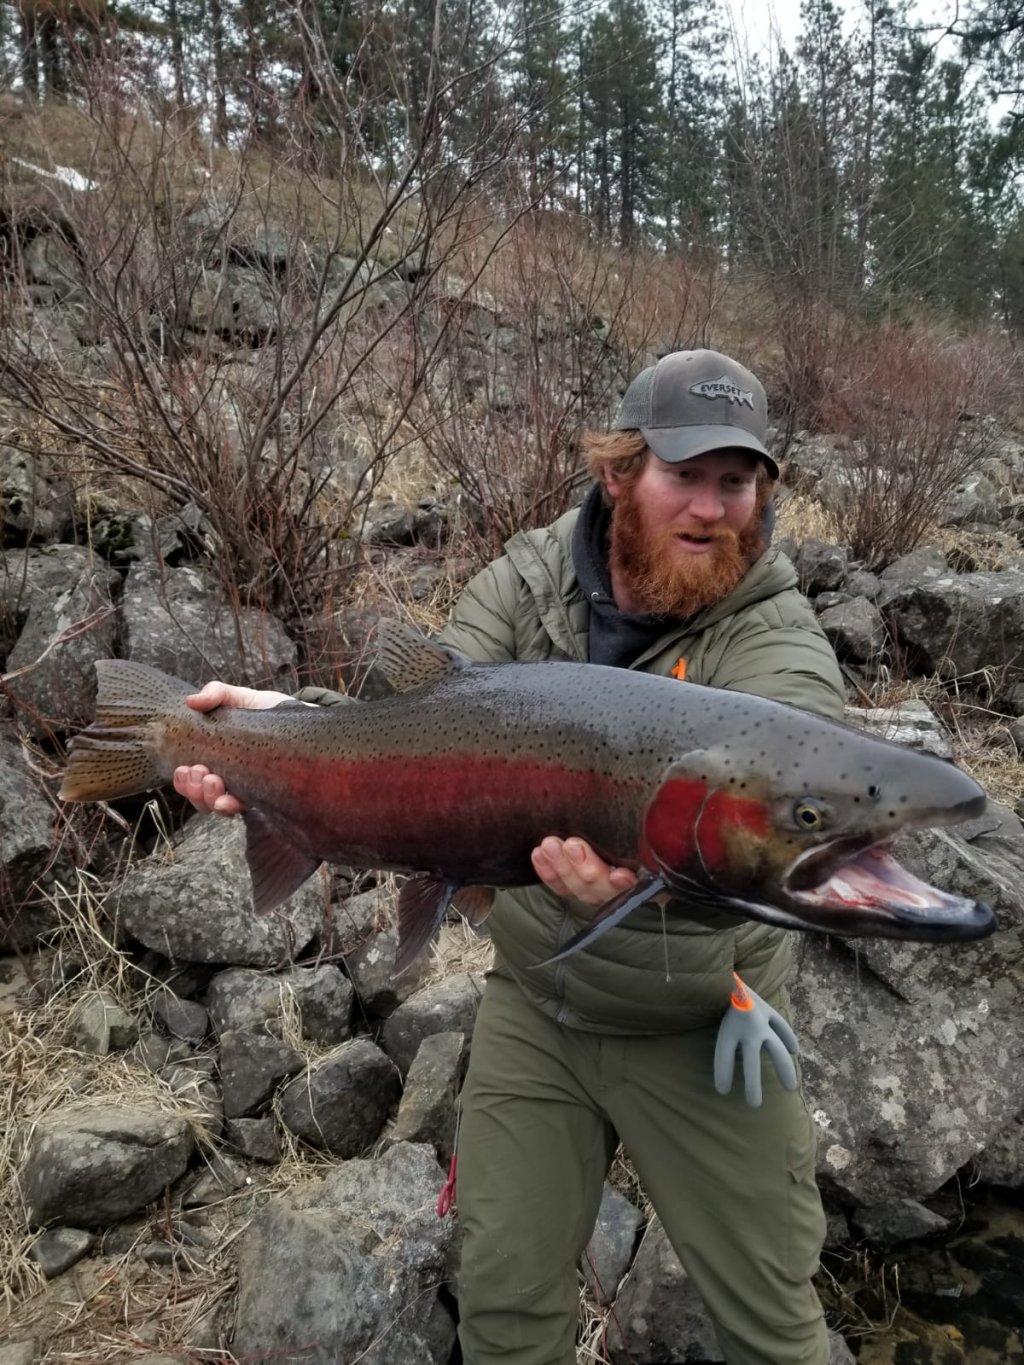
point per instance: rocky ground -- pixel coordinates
(224, 1136)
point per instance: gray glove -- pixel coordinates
(750, 1025)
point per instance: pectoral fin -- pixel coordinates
(277, 867)
(611, 913)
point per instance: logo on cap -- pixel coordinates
(723, 388)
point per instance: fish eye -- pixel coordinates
(809, 814)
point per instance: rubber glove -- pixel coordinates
(750, 1025)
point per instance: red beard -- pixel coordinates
(657, 581)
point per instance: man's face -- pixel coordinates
(683, 535)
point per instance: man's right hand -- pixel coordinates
(194, 781)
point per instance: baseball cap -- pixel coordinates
(693, 402)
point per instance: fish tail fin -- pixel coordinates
(114, 756)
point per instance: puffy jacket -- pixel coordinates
(656, 972)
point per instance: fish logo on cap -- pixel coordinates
(723, 388)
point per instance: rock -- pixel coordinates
(252, 1066)
(58, 1249)
(91, 1166)
(912, 1053)
(321, 998)
(37, 502)
(856, 630)
(183, 1019)
(911, 722)
(863, 583)
(426, 1112)
(99, 1023)
(195, 903)
(446, 1006)
(958, 624)
(221, 1178)
(897, 1220)
(610, 1249)
(357, 918)
(254, 1138)
(1002, 1161)
(838, 1351)
(31, 870)
(193, 1083)
(821, 567)
(658, 1314)
(349, 1268)
(340, 1104)
(926, 563)
(371, 969)
(19, 1352)
(68, 595)
(175, 621)
(975, 499)
(153, 1051)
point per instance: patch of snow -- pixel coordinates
(67, 175)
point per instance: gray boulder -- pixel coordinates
(1002, 1161)
(658, 1313)
(30, 867)
(427, 1109)
(350, 1268)
(37, 503)
(319, 999)
(610, 1249)
(252, 1066)
(90, 1166)
(195, 903)
(446, 1006)
(371, 968)
(856, 630)
(897, 1220)
(66, 593)
(958, 624)
(175, 621)
(341, 1104)
(58, 1249)
(910, 722)
(911, 1051)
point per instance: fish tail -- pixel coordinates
(116, 755)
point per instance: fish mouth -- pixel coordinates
(868, 893)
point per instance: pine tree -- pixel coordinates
(622, 114)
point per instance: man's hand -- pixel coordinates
(570, 868)
(194, 781)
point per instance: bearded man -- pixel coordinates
(666, 567)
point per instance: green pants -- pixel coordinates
(543, 1110)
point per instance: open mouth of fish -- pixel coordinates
(854, 887)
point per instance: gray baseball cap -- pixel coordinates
(693, 402)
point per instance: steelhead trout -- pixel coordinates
(769, 812)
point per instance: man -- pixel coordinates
(664, 568)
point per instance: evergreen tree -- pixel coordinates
(622, 114)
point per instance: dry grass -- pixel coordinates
(803, 519)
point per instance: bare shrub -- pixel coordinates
(918, 406)
(232, 311)
(539, 346)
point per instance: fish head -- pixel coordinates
(798, 835)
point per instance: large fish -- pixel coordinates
(771, 813)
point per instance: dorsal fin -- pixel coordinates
(408, 659)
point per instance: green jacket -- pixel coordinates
(654, 973)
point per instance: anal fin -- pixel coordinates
(277, 867)
(422, 904)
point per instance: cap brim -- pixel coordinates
(675, 444)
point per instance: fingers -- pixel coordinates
(205, 790)
(571, 868)
(225, 694)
